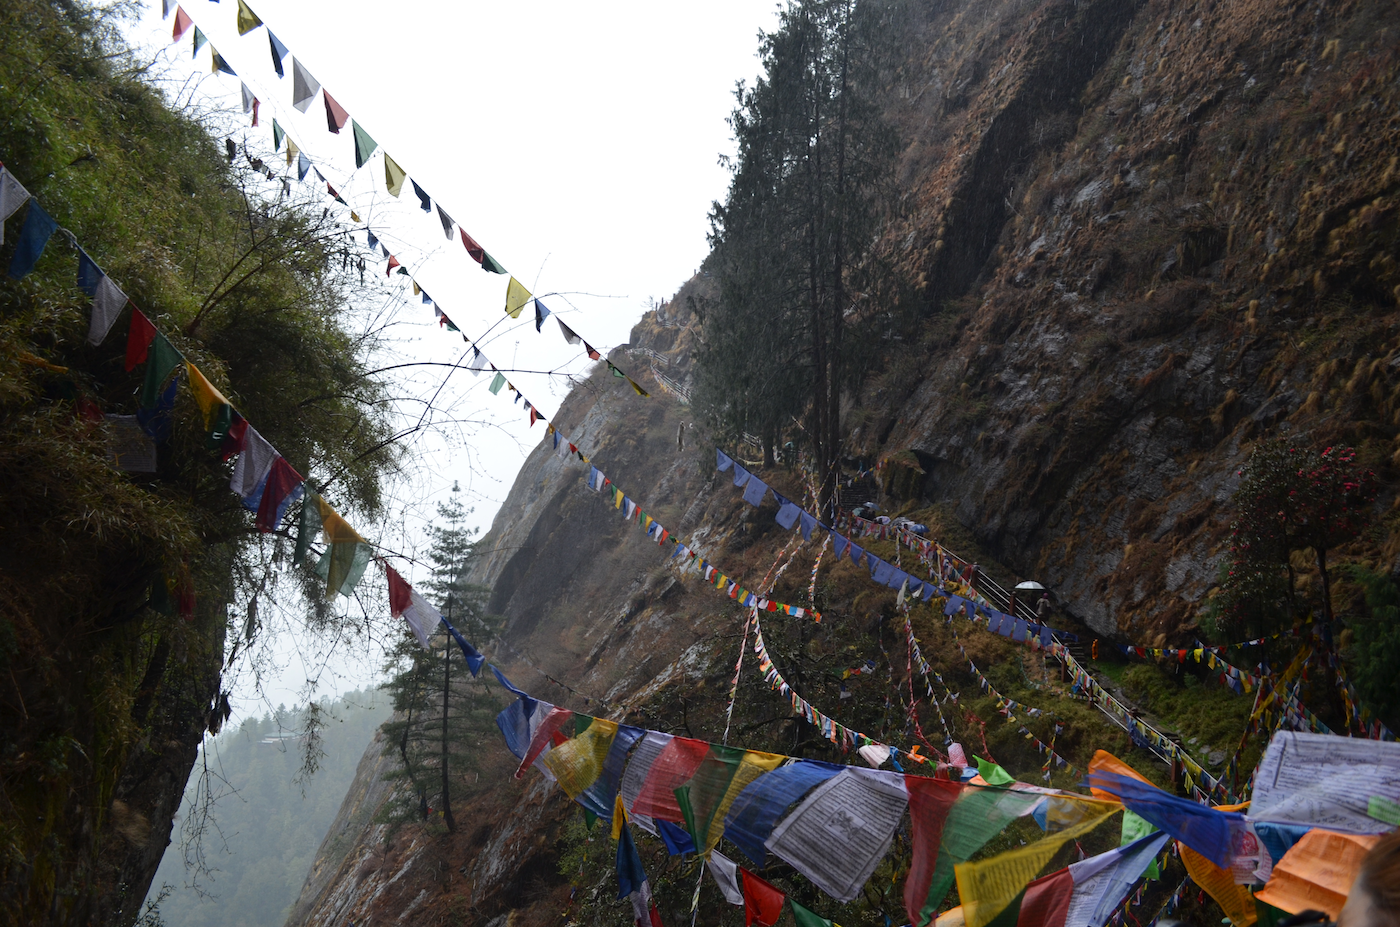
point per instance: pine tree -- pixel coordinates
(440, 710)
(791, 243)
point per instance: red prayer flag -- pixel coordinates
(282, 480)
(672, 769)
(930, 800)
(762, 902)
(534, 416)
(400, 592)
(1046, 902)
(255, 112)
(182, 24)
(476, 251)
(234, 439)
(544, 736)
(592, 354)
(138, 339)
(336, 116)
(393, 262)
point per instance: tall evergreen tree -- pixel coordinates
(440, 711)
(791, 242)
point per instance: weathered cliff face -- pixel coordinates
(1145, 234)
(1142, 236)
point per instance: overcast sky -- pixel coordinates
(578, 143)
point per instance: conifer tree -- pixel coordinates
(440, 710)
(791, 243)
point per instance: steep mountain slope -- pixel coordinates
(1140, 237)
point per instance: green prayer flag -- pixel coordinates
(589, 819)
(977, 816)
(160, 361)
(223, 420)
(683, 800)
(806, 918)
(309, 526)
(497, 383)
(490, 263)
(342, 566)
(364, 145)
(992, 773)
(615, 372)
(393, 175)
(1135, 827)
(277, 135)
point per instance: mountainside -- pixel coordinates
(1140, 237)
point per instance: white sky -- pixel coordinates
(578, 143)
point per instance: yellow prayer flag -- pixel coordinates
(619, 816)
(987, 887)
(516, 298)
(247, 19)
(208, 398)
(1235, 900)
(753, 765)
(354, 215)
(578, 762)
(393, 175)
(640, 392)
(292, 152)
(337, 529)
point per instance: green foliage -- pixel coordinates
(790, 243)
(270, 825)
(247, 284)
(1375, 649)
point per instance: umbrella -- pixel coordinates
(1029, 585)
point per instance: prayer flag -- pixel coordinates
(12, 197)
(138, 339)
(840, 832)
(591, 351)
(252, 468)
(217, 64)
(344, 563)
(281, 489)
(541, 313)
(808, 918)
(473, 656)
(182, 24)
(446, 221)
(336, 115)
(755, 491)
(107, 303)
(34, 235)
(516, 296)
(1318, 872)
(424, 200)
(578, 762)
(163, 359)
(218, 413)
(364, 145)
(601, 797)
(762, 902)
(304, 86)
(393, 175)
(1100, 883)
(1204, 829)
(303, 163)
(930, 800)
(568, 332)
(726, 875)
(279, 51)
(278, 133)
(679, 760)
(497, 382)
(155, 419)
(199, 40)
(247, 19)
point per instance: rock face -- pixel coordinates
(1141, 236)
